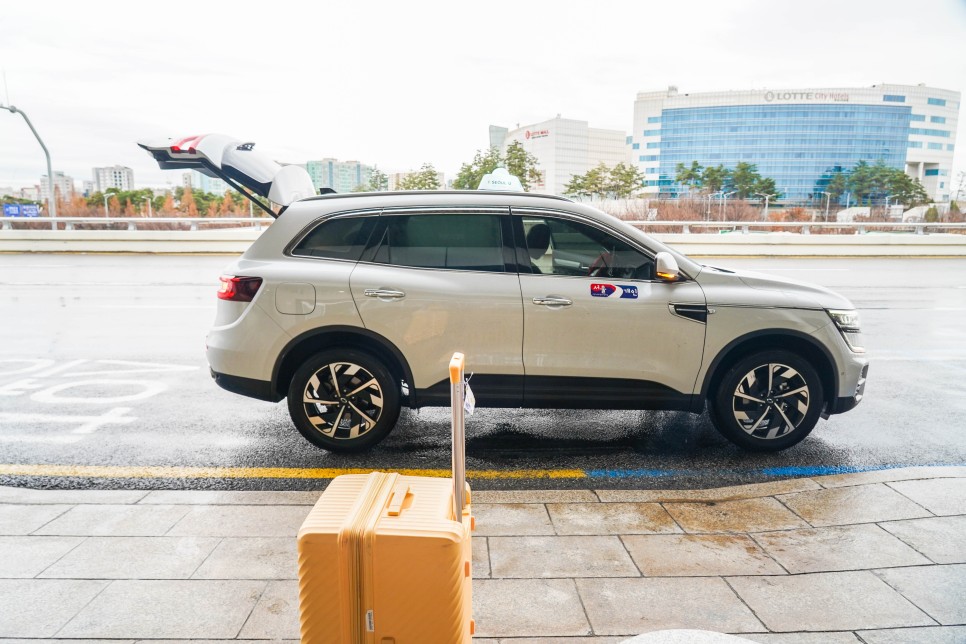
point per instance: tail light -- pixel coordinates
(238, 289)
(187, 144)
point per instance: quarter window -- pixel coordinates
(564, 247)
(446, 241)
(342, 238)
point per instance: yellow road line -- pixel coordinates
(132, 472)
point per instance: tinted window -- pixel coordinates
(564, 247)
(342, 238)
(464, 242)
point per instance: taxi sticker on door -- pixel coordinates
(627, 292)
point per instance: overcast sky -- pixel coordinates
(398, 84)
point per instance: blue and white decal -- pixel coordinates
(626, 291)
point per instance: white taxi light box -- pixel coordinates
(501, 179)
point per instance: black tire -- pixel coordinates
(362, 394)
(768, 401)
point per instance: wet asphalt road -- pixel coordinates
(103, 364)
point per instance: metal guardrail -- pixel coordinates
(719, 227)
(131, 223)
(745, 227)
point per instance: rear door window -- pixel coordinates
(341, 238)
(469, 242)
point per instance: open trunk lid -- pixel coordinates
(237, 163)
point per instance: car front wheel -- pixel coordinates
(343, 400)
(768, 401)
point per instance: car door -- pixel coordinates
(599, 329)
(439, 281)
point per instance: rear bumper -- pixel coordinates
(260, 389)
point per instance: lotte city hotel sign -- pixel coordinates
(795, 97)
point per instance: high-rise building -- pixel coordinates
(798, 137)
(341, 176)
(63, 185)
(30, 193)
(203, 183)
(563, 148)
(117, 177)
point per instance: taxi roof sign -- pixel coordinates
(501, 179)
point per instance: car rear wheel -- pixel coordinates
(343, 400)
(768, 401)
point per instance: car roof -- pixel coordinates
(448, 197)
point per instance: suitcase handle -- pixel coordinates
(398, 497)
(456, 365)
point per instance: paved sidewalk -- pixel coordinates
(877, 557)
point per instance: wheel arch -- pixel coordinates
(347, 337)
(785, 339)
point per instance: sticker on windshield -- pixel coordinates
(627, 292)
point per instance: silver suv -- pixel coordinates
(352, 305)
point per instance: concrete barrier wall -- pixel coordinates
(797, 245)
(234, 241)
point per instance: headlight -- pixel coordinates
(848, 324)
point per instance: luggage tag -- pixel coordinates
(469, 400)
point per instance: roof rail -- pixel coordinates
(344, 195)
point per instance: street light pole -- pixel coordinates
(724, 203)
(828, 200)
(51, 197)
(707, 212)
(764, 216)
(148, 199)
(107, 195)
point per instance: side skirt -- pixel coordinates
(559, 392)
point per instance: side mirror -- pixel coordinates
(667, 267)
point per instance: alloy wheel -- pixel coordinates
(343, 400)
(770, 401)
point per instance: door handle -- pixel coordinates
(384, 293)
(552, 300)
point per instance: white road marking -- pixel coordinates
(114, 416)
(38, 363)
(153, 306)
(134, 367)
(45, 440)
(87, 424)
(20, 387)
(919, 358)
(51, 394)
(109, 284)
(59, 368)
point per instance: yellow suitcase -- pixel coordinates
(386, 559)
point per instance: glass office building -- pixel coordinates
(797, 137)
(341, 176)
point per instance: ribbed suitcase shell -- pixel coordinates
(383, 560)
